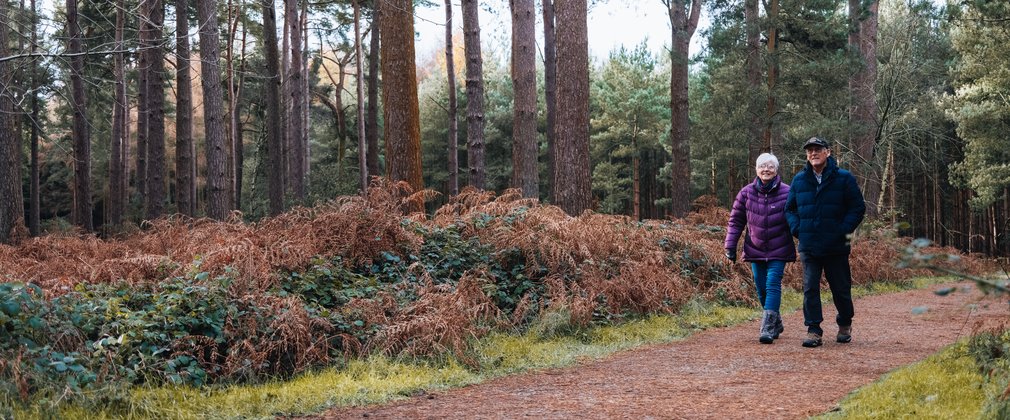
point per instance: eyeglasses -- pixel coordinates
(770, 166)
(815, 150)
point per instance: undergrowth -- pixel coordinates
(202, 305)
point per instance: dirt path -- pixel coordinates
(722, 373)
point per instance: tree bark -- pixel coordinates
(863, 114)
(450, 71)
(572, 188)
(771, 128)
(550, 88)
(143, 73)
(755, 146)
(117, 176)
(12, 204)
(525, 149)
(372, 117)
(184, 159)
(683, 27)
(155, 199)
(213, 105)
(474, 94)
(35, 201)
(399, 92)
(80, 133)
(296, 157)
(358, 73)
(274, 139)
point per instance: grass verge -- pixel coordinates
(946, 385)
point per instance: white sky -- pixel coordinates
(612, 23)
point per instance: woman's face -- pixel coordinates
(767, 171)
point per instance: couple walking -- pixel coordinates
(821, 207)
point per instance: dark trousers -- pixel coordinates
(839, 277)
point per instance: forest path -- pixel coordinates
(722, 372)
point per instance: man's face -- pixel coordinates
(818, 156)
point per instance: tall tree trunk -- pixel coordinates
(117, 178)
(863, 114)
(12, 204)
(306, 100)
(360, 91)
(636, 188)
(145, 44)
(213, 105)
(155, 201)
(771, 127)
(450, 71)
(524, 113)
(683, 26)
(550, 88)
(399, 94)
(184, 159)
(81, 136)
(296, 157)
(753, 65)
(238, 148)
(474, 94)
(572, 188)
(372, 117)
(35, 201)
(275, 141)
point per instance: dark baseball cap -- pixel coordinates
(816, 141)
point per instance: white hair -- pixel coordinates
(766, 158)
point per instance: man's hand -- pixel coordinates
(731, 254)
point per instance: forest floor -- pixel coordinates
(723, 372)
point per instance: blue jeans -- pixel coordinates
(768, 280)
(837, 273)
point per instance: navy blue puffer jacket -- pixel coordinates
(823, 215)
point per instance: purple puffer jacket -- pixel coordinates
(762, 212)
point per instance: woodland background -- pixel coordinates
(116, 112)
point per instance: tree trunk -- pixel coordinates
(81, 136)
(274, 139)
(143, 73)
(239, 146)
(12, 204)
(155, 202)
(34, 227)
(372, 118)
(863, 114)
(572, 188)
(116, 156)
(524, 84)
(296, 157)
(184, 159)
(474, 94)
(683, 27)
(550, 89)
(771, 128)
(359, 80)
(399, 93)
(213, 106)
(754, 144)
(450, 71)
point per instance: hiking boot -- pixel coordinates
(844, 334)
(768, 330)
(778, 327)
(812, 340)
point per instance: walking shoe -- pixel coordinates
(768, 330)
(844, 334)
(812, 340)
(778, 327)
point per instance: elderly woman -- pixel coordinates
(759, 209)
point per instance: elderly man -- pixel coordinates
(823, 209)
